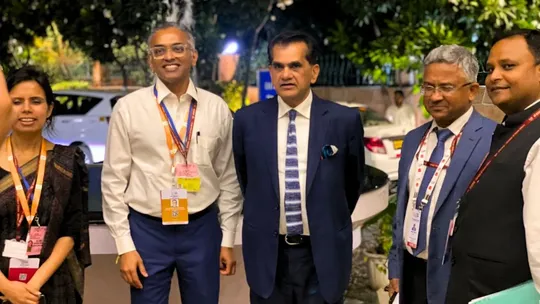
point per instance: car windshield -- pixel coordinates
(372, 118)
(67, 104)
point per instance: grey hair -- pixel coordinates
(181, 27)
(455, 54)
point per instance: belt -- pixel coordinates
(295, 240)
(192, 216)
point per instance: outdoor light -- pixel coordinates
(230, 48)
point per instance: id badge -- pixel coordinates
(412, 239)
(187, 177)
(36, 236)
(15, 249)
(22, 270)
(174, 207)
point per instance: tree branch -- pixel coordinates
(258, 30)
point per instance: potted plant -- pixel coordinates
(377, 258)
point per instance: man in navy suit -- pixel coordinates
(438, 161)
(300, 162)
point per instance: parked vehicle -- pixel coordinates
(382, 141)
(82, 119)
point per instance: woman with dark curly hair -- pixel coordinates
(43, 203)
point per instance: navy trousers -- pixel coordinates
(192, 250)
(296, 278)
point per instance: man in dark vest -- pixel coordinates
(496, 240)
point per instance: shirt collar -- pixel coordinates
(458, 124)
(518, 118)
(303, 109)
(163, 91)
(532, 104)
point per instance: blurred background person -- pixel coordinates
(401, 113)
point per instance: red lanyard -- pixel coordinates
(488, 162)
(170, 130)
(420, 157)
(452, 148)
(23, 207)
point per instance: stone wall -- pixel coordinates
(379, 98)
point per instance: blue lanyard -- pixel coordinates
(25, 182)
(171, 121)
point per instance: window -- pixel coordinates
(114, 100)
(371, 118)
(74, 104)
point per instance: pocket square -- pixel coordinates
(328, 151)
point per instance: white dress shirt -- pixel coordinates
(138, 165)
(531, 208)
(302, 137)
(403, 116)
(431, 142)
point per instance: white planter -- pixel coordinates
(377, 267)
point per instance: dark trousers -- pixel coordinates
(296, 278)
(414, 281)
(192, 250)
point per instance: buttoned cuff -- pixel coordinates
(124, 244)
(228, 239)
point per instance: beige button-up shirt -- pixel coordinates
(138, 165)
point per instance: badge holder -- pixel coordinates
(174, 207)
(187, 177)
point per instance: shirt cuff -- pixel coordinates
(124, 244)
(228, 239)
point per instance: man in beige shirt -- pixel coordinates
(170, 194)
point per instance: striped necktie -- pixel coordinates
(293, 196)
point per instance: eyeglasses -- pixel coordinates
(178, 50)
(446, 89)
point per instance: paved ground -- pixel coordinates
(104, 285)
(359, 292)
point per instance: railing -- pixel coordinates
(337, 70)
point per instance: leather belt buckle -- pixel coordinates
(289, 239)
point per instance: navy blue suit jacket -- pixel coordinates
(333, 186)
(468, 156)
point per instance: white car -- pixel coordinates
(82, 119)
(382, 141)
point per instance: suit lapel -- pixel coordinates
(409, 150)
(464, 149)
(318, 126)
(269, 118)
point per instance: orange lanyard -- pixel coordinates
(170, 130)
(37, 186)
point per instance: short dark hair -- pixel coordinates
(399, 92)
(32, 73)
(288, 37)
(532, 37)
